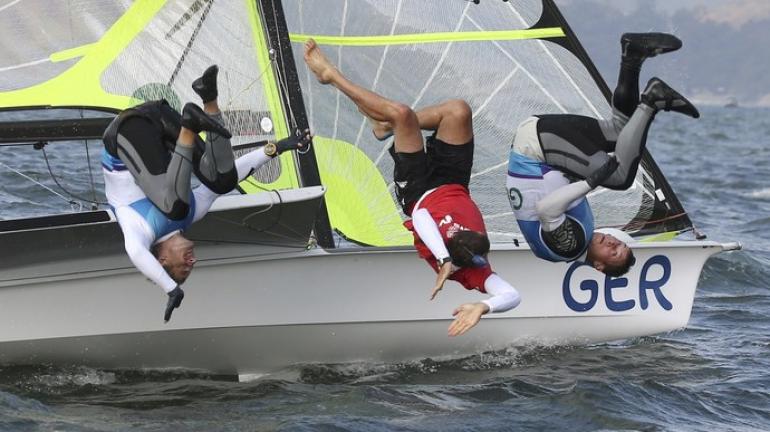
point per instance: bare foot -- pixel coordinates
(318, 63)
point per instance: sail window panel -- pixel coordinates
(33, 30)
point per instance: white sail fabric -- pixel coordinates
(115, 54)
(504, 81)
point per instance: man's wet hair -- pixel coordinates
(464, 245)
(618, 271)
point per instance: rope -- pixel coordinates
(55, 180)
(39, 184)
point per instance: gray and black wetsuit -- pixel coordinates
(144, 138)
(579, 145)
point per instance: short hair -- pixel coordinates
(155, 250)
(465, 244)
(620, 270)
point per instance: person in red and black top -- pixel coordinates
(431, 181)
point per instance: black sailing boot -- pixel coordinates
(196, 120)
(206, 85)
(639, 46)
(660, 96)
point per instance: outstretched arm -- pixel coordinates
(504, 298)
(247, 164)
(504, 295)
(137, 243)
(428, 232)
(551, 208)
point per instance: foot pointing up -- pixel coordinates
(318, 63)
(640, 46)
(206, 85)
(661, 96)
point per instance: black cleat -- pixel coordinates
(175, 297)
(206, 85)
(660, 96)
(196, 120)
(640, 46)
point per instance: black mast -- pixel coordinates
(278, 39)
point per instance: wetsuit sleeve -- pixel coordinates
(504, 295)
(551, 208)
(137, 242)
(427, 230)
(245, 165)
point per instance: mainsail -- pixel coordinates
(509, 60)
(116, 54)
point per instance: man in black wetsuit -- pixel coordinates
(552, 212)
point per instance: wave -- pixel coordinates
(759, 194)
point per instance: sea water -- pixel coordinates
(713, 376)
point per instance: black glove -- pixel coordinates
(300, 140)
(602, 173)
(175, 297)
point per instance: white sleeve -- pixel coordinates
(137, 243)
(504, 296)
(551, 208)
(428, 232)
(250, 161)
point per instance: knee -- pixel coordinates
(620, 183)
(401, 114)
(459, 109)
(223, 183)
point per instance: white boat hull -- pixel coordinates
(249, 312)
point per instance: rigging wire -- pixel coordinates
(39, 184)
(55, 180)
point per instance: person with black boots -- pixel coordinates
(551, 211)
(150, 152)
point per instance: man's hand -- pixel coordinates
(466, 316)
(175, 297)
(299, 141)
(443, 274)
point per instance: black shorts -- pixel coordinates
(439, 164)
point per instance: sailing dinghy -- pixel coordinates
(311, 264)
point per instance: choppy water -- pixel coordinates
(711, 376)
